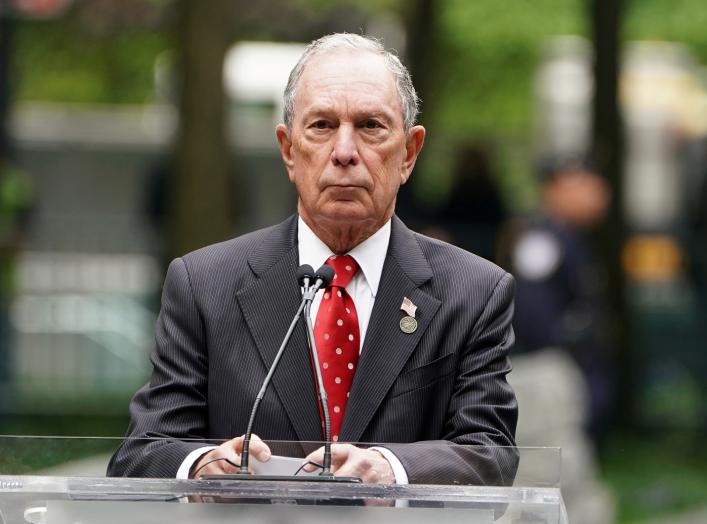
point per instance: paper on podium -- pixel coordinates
(279, 465)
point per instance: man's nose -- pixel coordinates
(345, 151)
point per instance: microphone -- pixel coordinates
(305, 275)
(322, 278)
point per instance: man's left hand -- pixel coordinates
(349, 461)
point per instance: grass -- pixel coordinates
(653, 476)
(24, 455)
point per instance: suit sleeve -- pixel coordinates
(173, 405)
(478, 445)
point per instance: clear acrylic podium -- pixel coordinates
(62, 480)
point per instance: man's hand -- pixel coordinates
(349, 461)
(221, 459)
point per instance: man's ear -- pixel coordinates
(284, 139)
(413, 146)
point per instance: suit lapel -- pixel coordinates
(268, 305)
(386, 347)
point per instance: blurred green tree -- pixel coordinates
(200, 192)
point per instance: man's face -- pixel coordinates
(347, 152)
(579, 197)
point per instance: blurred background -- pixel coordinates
(567, 142)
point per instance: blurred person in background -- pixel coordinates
(474, 212)
(560, 300)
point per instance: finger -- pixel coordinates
(216, 462)
(316, 456)
(259, 449)
(369, 466)
(340, 454)
(230, 458)
(355, 466)
(233, 463)
(237, 444)
(352, 471)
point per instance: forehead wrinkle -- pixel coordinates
(342, 108)
(325, 86)
(360, 112)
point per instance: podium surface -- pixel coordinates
(62, 480)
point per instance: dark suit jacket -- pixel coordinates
(226, 308)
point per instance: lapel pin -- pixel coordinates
(408, 324)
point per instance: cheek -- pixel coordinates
(385, 160)
(311, 163)
(303, 160)
(301, 153)
(392, 171)
(386, 188)
(304, 182)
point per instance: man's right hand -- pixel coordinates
(221, 459)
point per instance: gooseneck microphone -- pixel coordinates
(311, 283)
(322, 278)
(326, 275)
(304, 274)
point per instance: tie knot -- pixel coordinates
(345, 268)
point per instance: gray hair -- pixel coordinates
(409, 101)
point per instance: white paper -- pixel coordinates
(278, 465)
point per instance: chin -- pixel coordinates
(346, 211)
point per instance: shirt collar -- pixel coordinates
(369, 254)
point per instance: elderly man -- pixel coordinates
(413, 334)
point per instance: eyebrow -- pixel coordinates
(362, 114)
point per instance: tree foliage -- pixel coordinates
(676, 21)
(478, 86)
(70, 60)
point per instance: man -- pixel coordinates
(348, 143)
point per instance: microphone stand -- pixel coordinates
(245, 455)
(325, 475)
(326, 470)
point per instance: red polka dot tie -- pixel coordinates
(338, 340)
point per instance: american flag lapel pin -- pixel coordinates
(408, 324)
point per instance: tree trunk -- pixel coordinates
(607, 149)
(199, 190)
(421, 53)
(6, 30)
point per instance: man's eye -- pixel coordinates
(371, 124)
(320, 124)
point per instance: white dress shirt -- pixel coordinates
(370, 257)
(363, 287)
